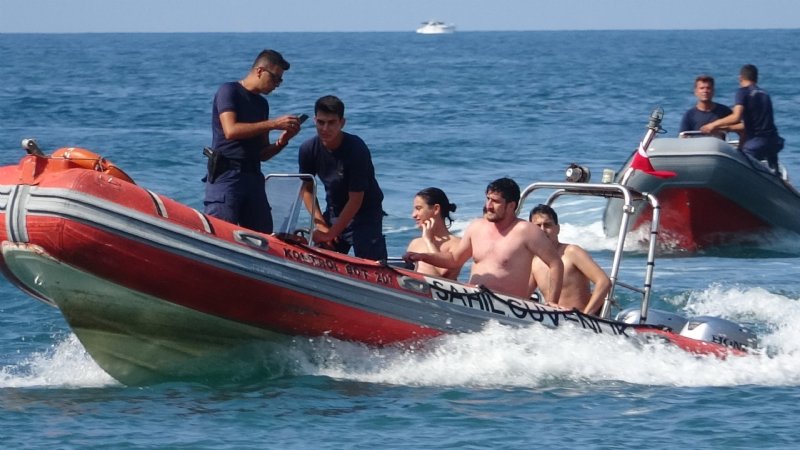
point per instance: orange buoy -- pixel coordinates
(91, 161)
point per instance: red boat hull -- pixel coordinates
(152, 288)
(718, 197)
(699, 218)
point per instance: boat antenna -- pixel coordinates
(655, 120)
(653, 127)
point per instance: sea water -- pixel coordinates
(455, 112)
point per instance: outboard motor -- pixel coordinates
(720, 331)
(673, 321)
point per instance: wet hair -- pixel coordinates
(506, 187)
(705, 79)
(329, 104)
(436, 196)
(272, 58)
(749, 72)
(545, 210)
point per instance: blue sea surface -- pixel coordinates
(453, 111)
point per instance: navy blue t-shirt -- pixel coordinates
(249, 108)
(347, 169)
(693, 119)
(758, 118)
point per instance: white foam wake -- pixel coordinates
(64, 364)
(500, 356)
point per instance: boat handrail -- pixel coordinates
(630, 286)
(628, 196)
(651, 253)
(398, 261)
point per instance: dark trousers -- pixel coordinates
(764, 149)
(239, 197)
(364, 235)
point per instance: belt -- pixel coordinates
(243, 165)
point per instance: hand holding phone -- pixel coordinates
(302, 118)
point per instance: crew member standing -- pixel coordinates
(240, 126)
(353, 214)
(753, 106)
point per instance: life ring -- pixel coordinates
(92, 161)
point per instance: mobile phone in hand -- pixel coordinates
(302, 118)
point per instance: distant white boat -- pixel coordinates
(436, 27)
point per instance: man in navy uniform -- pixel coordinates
(753, 106)
(353, 215)
(240, 125)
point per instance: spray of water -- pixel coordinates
(500, 356)
(64, 365)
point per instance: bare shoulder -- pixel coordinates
(578, 256)
(451, 242)
(520, 226)
(529, 230)
(527, 226)
(574, 249)
(474, 227)
(417, 245)
(576, 252)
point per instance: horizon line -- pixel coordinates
(411, 31)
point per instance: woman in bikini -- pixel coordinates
(431, 210)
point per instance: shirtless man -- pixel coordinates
(579, 269)
(501, 245)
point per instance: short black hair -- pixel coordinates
(270, 57)
(544, 210)
(705, 79)
(749, 72)
(330, 104)
(507, 187)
